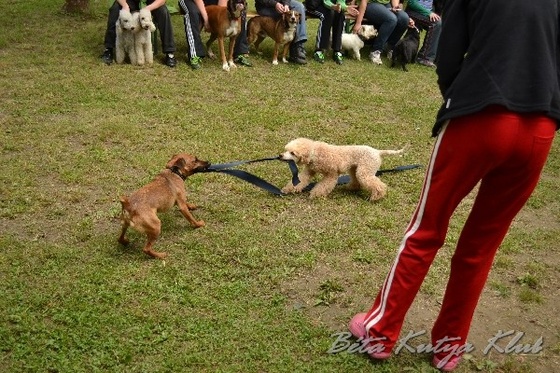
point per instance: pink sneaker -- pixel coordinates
(446, 366)
(358, 330)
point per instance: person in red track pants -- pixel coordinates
(494, 130)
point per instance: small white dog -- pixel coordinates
(127, 26)
(355, 42)
(361, 162)
(143, 38)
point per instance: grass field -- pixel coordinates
(269, 280)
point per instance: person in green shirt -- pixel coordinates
(331, 17)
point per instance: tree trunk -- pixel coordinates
(76, 6)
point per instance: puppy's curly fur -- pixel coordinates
(355, 42)
(361, 162)
(143, 38)
(127, 26)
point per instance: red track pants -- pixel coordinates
(505, 152)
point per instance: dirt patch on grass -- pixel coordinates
(511, 314)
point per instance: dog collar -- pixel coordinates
(176, 171)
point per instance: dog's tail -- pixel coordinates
(391, 152)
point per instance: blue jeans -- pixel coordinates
(390, 25)
(301, 29)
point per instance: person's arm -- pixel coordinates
(202, 9)
(278, 5)
(396, 6)
(360, 17)
(453, 43)
(123, 4)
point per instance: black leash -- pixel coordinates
(226, 168)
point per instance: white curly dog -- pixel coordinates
(361, 162)
(355, 42)
(143, 38)
(127, 26)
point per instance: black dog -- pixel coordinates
(406, 49)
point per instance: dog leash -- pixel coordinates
(227, 168)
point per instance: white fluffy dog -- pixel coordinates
(127, 25)
(361, 162)
(355, 42)
(143, 38)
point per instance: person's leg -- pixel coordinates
(241, 49)
(431, 42)
(466, 151)
(452, 173)
(398, 31)
(192, 24)
(162, 20)
(525, 142)
(111, 33)
(323, 32)
(337, 30)
(384, 20)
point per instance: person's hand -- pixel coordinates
(411, 23)
(206, 25)
(434, 17)
(396, 9)
(352, 11)
(281, 8)
(337, 8)
(356, 28)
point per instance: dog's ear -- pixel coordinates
(173, 161)
(302, 157)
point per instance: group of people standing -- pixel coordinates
(390, 17)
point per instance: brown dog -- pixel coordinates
(140, 209)
(224, 22)
(281, 30)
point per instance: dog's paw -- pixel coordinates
(123, 241)
(284, 60)
(199, 224)
(275, 62)
(225, 67)
(287, 189)
(316, 195)
(232, 65)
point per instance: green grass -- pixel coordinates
(269, 280)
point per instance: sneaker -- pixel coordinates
(358, 330)
(319, 56)
(107, 56)
(427, 63)
(170, 60)
(446, 365)
(195, 62)
(338, 58)
(243, 60)
(375, 57)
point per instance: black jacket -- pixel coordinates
(503, 52)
